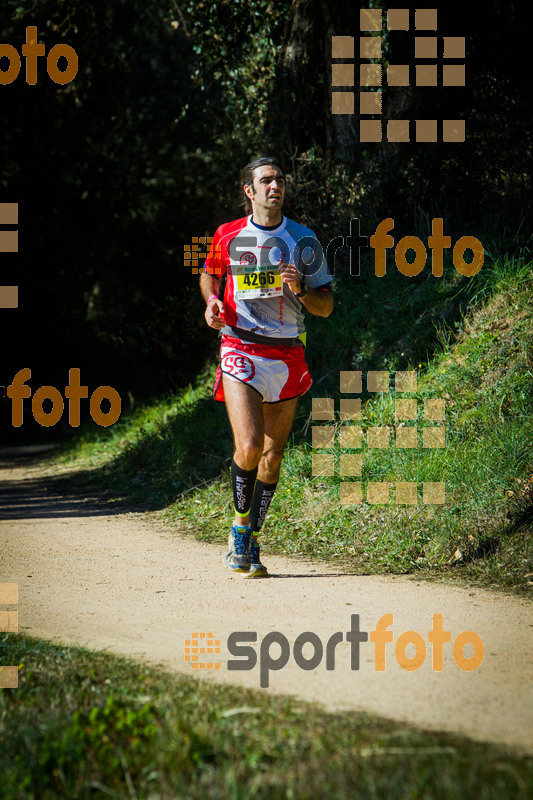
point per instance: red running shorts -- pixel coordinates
(275, 373)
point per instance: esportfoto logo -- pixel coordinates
(308, 260)
(31, 51)
(309, 651)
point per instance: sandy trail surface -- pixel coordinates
(108, 579)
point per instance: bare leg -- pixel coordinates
(278, 419)
(260, 431)
(244, 407)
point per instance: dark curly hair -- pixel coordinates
(246, 177)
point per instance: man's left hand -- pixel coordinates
(290, 276)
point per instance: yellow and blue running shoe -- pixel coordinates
(257, 570)
(237, 559)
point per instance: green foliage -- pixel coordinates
(84, 725)
(485, 180)
(117, 170)
(481, 363)
(126, 168)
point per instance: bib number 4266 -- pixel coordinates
(259, 279)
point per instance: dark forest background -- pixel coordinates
(117, 170)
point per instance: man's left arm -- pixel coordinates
(317, 301)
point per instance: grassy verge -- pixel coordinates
(84, 725)
(478, 342)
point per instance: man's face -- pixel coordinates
(268, 188)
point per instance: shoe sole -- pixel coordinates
(238, 570)
(258, 573)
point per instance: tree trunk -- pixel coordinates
(303, 82)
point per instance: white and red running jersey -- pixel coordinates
(257, 304)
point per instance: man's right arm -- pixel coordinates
(210, 286)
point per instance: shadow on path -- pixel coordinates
(49, 497)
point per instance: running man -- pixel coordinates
(274, 269)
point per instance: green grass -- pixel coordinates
(474, 339)
(86, 725)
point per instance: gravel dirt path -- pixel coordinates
(94, 575)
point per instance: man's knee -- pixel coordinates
(248, 453)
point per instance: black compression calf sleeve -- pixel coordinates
(262, 497)
(243, 482)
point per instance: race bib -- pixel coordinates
(256, 281)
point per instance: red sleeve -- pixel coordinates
(214, 264)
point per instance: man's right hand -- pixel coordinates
(214, 314)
